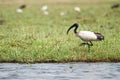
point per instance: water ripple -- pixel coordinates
(67, 71)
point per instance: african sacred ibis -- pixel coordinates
(46, 12)
(77, 9)
(44, 8)
(86, 36)
(62, 13)
(115, 6)
(20, 9)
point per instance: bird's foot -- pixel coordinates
(83, 44)
(91, 44)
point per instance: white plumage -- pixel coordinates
(44, 8)
(77, 9)
(46, 12)
(19, 11)
(87, 36)
(62, 13)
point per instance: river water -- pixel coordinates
(61, 71)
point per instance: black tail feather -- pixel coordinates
(99, 36)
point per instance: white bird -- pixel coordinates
(44, 8)
(46, 12)
(62, 13)
(87, 36)
(19, 11)
(77, 9)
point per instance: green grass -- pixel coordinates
(35, 37)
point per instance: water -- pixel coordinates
(54, 71)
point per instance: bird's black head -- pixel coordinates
(101, 38)
(74, 25)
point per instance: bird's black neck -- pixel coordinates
(74, 25)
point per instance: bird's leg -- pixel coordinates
(89, 45)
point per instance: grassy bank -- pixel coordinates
(35, 37)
